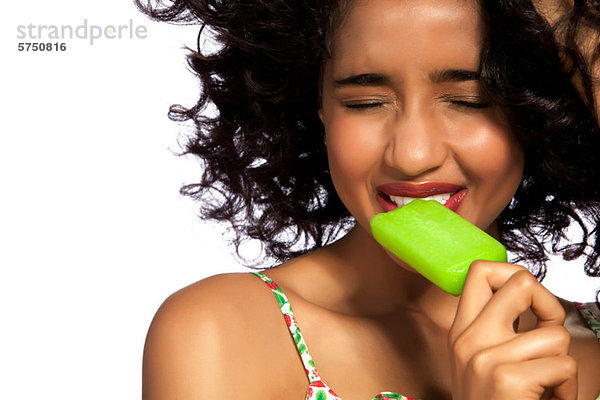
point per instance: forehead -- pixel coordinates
(419, 30)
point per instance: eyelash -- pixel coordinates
(458, 103)
(469, 104)
(363, 106)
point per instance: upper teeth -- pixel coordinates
(401, 200)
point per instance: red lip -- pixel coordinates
(424, 189)
(455, 200)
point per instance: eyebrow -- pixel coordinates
(362, 80)
(447, 75)
(454, 75)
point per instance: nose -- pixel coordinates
(416, 144)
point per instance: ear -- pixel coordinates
(321, 114)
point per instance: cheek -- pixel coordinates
(496, 157)
(493, 161)
(352, 149)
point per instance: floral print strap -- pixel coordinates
(286, 310)
(591, 314)
(391, 396)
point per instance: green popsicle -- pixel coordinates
(435, 241)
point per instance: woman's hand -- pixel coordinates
(489, 359)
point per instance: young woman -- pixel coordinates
(332, 112)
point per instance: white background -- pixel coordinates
(94, 234)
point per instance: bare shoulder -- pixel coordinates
(209, 339)
(585, 348)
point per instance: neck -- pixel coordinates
(376, 283)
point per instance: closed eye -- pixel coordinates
(363, 106)
(470, 104)
(465, 101)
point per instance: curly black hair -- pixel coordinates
(529, 67)
(264, 156)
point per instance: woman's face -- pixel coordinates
(405, 116)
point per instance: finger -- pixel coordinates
(530, 378)
(551, 341)
(520, 292)
(477, 358)
(483, 279)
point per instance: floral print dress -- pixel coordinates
(318, 390)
